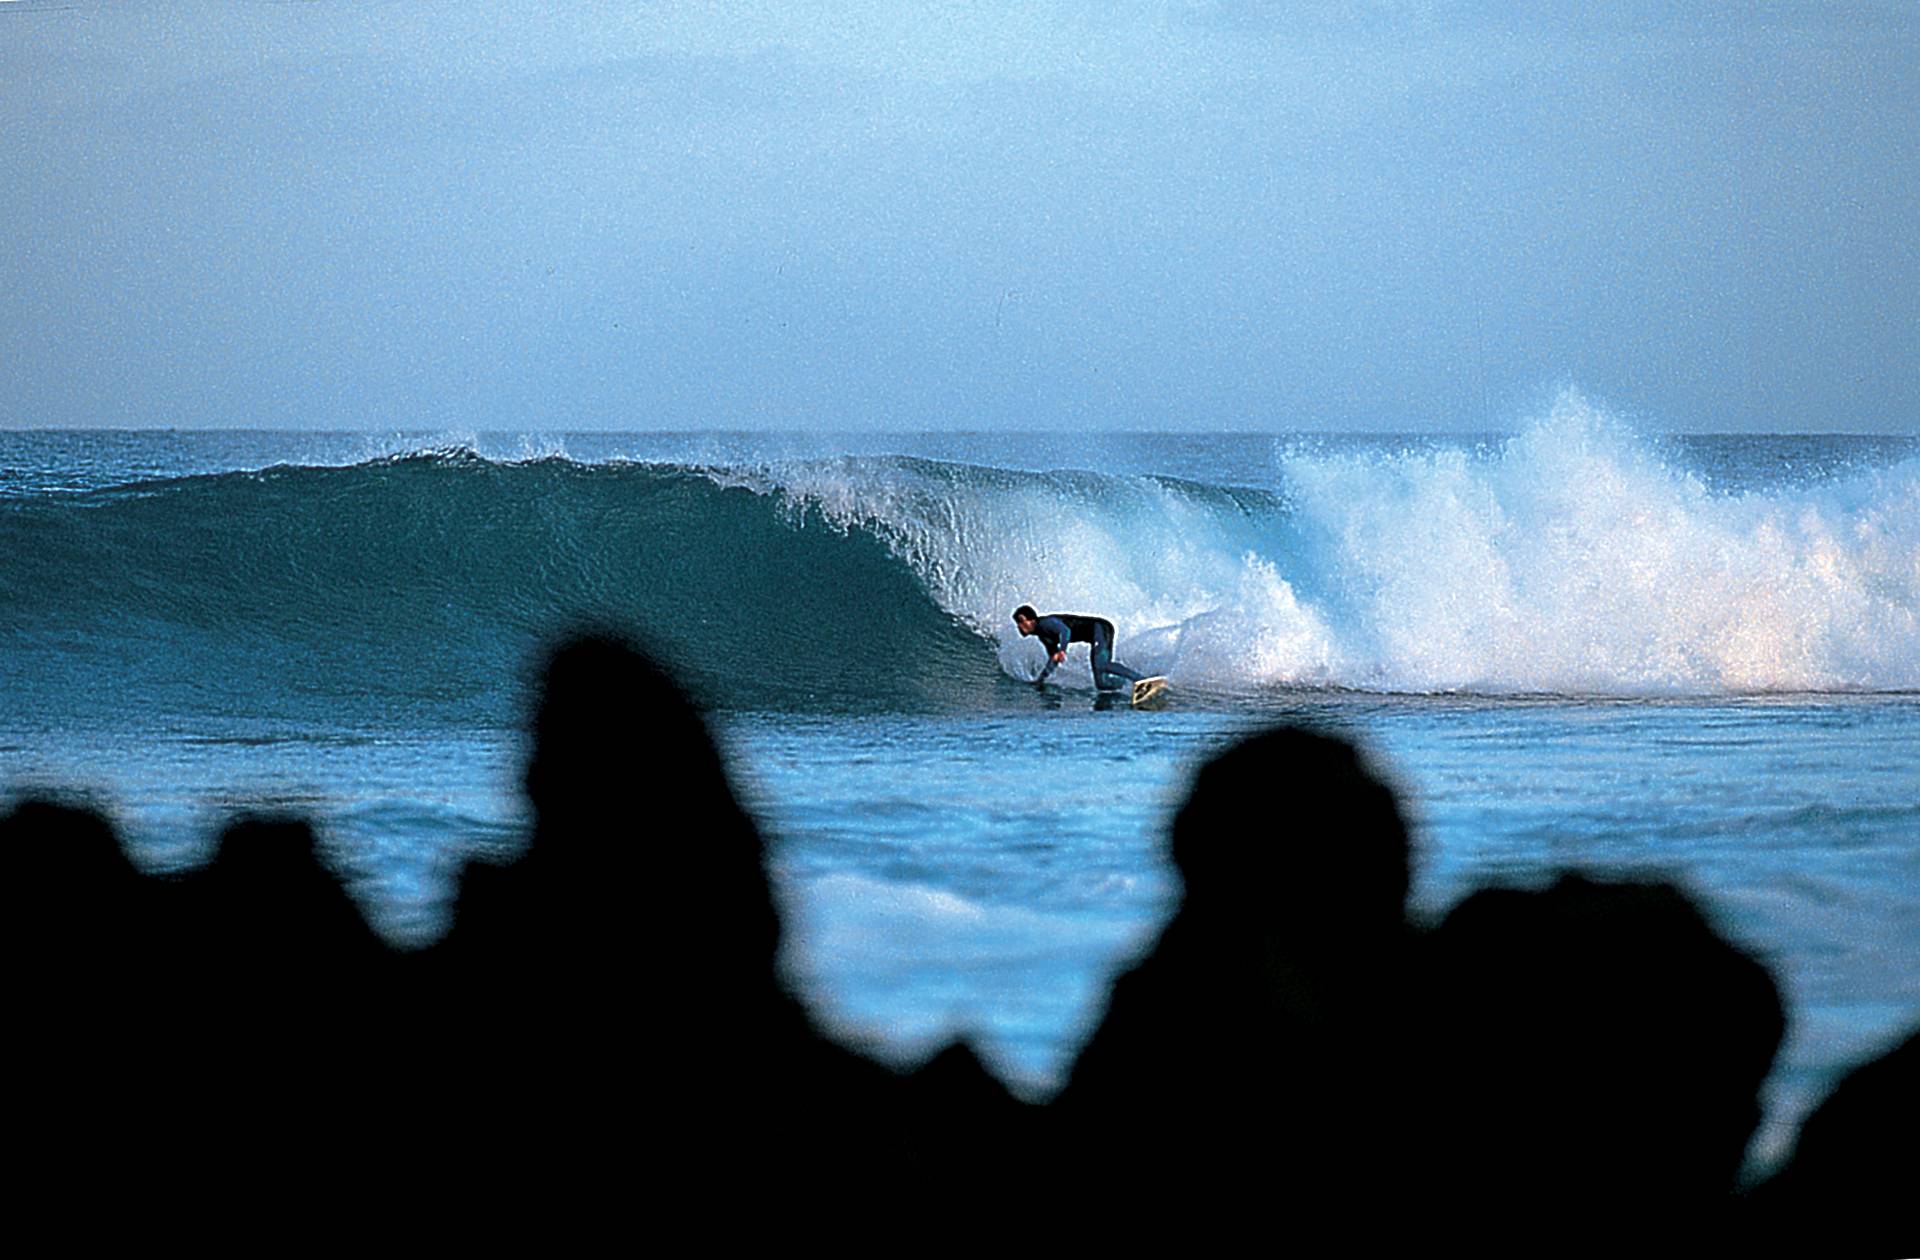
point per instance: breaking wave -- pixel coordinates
(1573, 558)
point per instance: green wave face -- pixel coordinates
(419, 587)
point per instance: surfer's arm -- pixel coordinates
(1055, 634)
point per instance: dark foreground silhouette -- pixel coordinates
(623, 974)
(1602, 1051)
(1256, 1055)
(1848, 1188)
(1573, 1068)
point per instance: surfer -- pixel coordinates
(1060, 630)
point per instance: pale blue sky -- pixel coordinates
(888, 215)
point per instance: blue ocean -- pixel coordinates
(1580, 643)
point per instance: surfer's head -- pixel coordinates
(1024, 617)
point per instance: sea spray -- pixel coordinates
(1575, 559)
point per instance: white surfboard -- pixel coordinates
(1149, 691)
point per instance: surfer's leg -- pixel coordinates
(1109, 674)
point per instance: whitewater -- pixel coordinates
(1571, 559)
(1581, 642)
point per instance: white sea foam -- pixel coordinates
(1573, 557)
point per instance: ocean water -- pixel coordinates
(1577, 643)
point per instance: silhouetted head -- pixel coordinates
(633, 802)
(71, 898)
(612, 732)
(1610, 1043)
(268, 897)
(54, 850)
(1292, 826)
(1024, 618)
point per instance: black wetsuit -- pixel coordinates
(1059, 630)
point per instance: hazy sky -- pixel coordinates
(971, 215)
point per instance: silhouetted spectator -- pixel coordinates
(221, 1015)
(76, 923)
(622, 973)
(76, 909)
(284, 995)
(1251, 1058)
(1603, 1051)
(1849, 1187)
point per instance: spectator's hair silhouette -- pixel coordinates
(1604, 1049)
